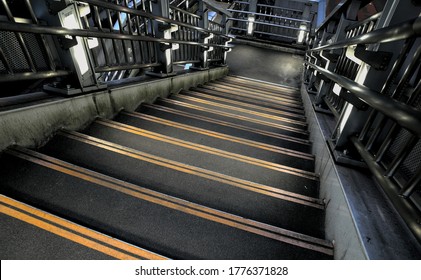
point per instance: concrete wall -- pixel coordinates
(33, 125)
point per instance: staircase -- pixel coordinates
(219, 171)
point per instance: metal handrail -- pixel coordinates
(184, 11)
(61, 31)
(278, 7)
(267, 15)
(360, 23)
(341, 7)
(271, 24)
(406, 116)
(388, 34)
(212, 7)
(123, 9)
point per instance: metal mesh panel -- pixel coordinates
(37, 53)
(412, 162)
(13, 51)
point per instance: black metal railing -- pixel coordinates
(389, 138)
(117, 39)
(25, 55)
(346, 66)
(186, 53)
(271, 22)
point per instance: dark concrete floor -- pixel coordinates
(267, 65)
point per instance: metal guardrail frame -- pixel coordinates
(128, 48)
(254, 18)
(392, 124)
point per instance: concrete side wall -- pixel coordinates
(32, 126)
(339, 222)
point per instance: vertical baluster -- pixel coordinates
(391, 135)
(376, 133)
(6, 63)
(47, 50)
(411, 185)
(94, 56)
(102, 40)
(142, 56)
(130, 27)
(391, 77)
(115, 49)
(120, 24)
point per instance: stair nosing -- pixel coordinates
(197, 171)
(268, 231)
(230, 115)
(220, 135)
(207, 149)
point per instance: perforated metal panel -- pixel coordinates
(13, 52)
(37, 52)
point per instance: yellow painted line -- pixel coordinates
(255, 98)
(188, 169)
(222, 136)
(207, 149)
(284, 92)
(65, 234)
(143, 254)
(220, 99)
(310, 243)
(252, 93)
(244, 101)
(269, 91)
(229, 124)
(170, 198)
(238, 109)
(259, 83)
(234, 116)
(293, 99)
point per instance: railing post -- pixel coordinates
(163, 30)
(251, 17)
(333, 33)
(203, 12)
(304, 27)
(353, 119)
(74, 53)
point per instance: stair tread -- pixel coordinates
(21, 240)
(32, 233)
(117, 213)
(257, 98)
(226, 127)
(247, 102)
(193, 185)
(293, 98)
(267, 119)
(260, 84)
(233, 118)
(196, 131)
(203, 156)
(240, 107)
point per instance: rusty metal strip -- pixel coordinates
(218, 135)
(221, 113)
(269, 112)
(229, 124)
(207, 149)
(269, 231)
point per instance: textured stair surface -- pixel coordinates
(219, 171)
